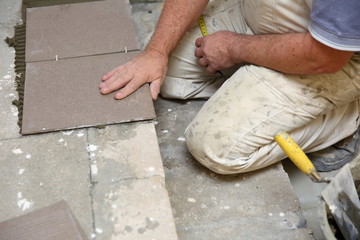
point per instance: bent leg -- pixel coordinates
(185, 77)
(233, 132)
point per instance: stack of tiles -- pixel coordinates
(68, 49)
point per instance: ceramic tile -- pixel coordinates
(65, 94)
(81, 29)
(52, 222)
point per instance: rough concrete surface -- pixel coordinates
(43, 169)
(258, 205)
(9, 17)
(129, 195)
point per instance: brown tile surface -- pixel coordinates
(80, 29)
(54, 222)
(64, 94)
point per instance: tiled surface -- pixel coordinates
(80, 29)
(65, 94)
(54, 222)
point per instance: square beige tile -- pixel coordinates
(65, 94)
(81, 29)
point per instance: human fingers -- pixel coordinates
(116, 81)
(211, 69)
(198, 52)
(199, 41)
(155, 87)
(203, 62)
(129, 88)
(109, 74)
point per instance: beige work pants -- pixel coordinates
(233, 132)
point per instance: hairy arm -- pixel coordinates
(295, 53)
(150, 66)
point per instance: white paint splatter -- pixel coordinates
(151, 169)
(93, 235)
(164, 131)
(203, 205)
(281, 214)
(17, 151)
(332, 208)
(14, 111)
(113, 206)
(192, 200)
(21, 171)
(92, 148)
(98, 230)
(10, 95)
(68, 133)
(169, 110)
(94, 169)
(28, 156)
(182, 139)
(237, 184)
(61, 140)
(227, 207)
(270, 214)
(23, 203)
(7, 76)
(92, 154)
(80, 134)
(41, 184)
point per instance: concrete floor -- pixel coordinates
(258, 205)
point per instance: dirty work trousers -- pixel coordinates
(233, 132)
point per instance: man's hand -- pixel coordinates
(214, 50)
(149, 66)
(294, 53)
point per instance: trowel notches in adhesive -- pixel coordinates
(340, 195)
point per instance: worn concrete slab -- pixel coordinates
(129, 196)
(133, 209)
(10, 14)
(9, 17)
(40, 170)
(258, 205)
(8, 112)
(124, 151)
(80, 29)
(145, 17)
(65, 94)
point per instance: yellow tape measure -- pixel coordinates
(202, 26)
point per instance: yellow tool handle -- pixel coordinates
(202, 25)
(296, 154)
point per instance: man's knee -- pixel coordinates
(216, 152)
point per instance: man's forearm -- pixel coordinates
(176, 17)
(296, 53)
